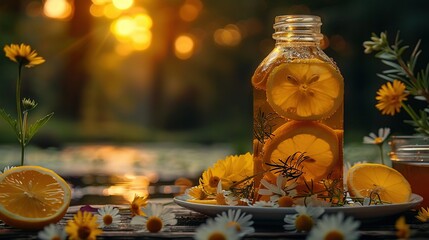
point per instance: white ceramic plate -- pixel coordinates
(266, 214)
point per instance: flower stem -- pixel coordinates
(21, 134)
(381, 153)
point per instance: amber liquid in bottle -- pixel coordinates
(298, 106)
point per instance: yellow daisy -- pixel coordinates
(228, 171)
(423, 214)
(23, 55)
(390, 97)
(84, 226)
(136, 205)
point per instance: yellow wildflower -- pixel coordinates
(229, 170)
(23, 55)
(423, 214)
(402, 228)
(84, 226)
(136, 205)
(390, 97)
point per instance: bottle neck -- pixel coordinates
(302, 29)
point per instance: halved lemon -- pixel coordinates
(32, 197)
(306, 90)
(372, 178)
(315, 140)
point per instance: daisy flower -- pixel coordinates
(383, 133)
(279, 192)
(335, 227)
(23, 55)
(84, 226)
(423, 214)
(390, 97)
(215, 230)
(312, 201)
(402, 228)
(136, 205)
(195, 192)
(6, 168)
(230, 170)
(155, 219)
(52, 232)
(304, 220)
(108, 216)
(262, 203)
(241, 222)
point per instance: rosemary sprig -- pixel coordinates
(291, 166)
(262, 129)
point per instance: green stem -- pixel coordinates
(381, 152)
(21, 134)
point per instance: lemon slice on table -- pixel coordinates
(32, 197)
(309, 90)
(366, 178)
(317, 141)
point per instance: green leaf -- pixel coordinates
(12, 122)
(37, 125)
(385, 56)
(385, 77)
(391, 64)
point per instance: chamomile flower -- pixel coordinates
(241, 222)
(312, 201)
(108, 216)
(262, 203)
(383, 133)
(155, 219)
(335, 226)
(423, 214)
(6, 168)
(84, 226)
(136, 205)
(304, 219)
(215, 230)
(282, 192)
(52, 232)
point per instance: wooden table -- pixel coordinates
(189, 220)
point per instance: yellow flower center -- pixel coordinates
(56, 238)
(285, 201)
(234, 225)
(378, 140)
(334, 235)
(214, 181)
(135, 209)
(107, 219)
(83, 232)
(217, 236)
(303, 223)
(154, 224)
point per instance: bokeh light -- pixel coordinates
(184, 46)
(58, 9)
(230, 35)
(122, 4)
(190, 10)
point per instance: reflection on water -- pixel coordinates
(105, 173)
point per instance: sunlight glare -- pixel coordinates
(111, 11)
(123, 26)
(96, 10)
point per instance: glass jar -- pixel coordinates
(298, 105)
(410, 156)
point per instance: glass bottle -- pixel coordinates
(298, 108)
